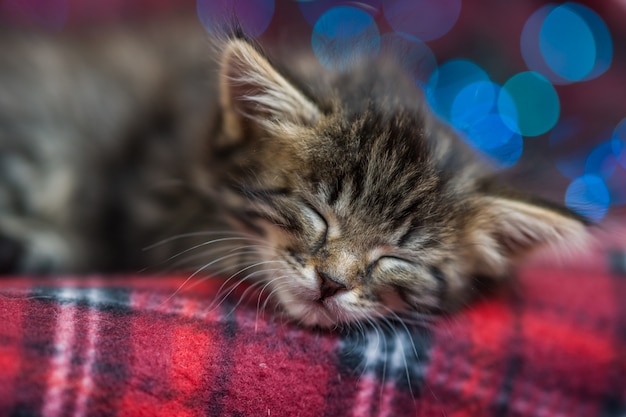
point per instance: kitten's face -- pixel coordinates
(368, 211)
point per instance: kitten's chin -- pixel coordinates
(318, 315)
(307, 312)
(310, 313)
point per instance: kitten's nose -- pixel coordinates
(328, 286)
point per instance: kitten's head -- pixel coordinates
(369, 205)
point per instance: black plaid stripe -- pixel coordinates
(37, 351)
(215, 404)
(391, 352)
(615, 401)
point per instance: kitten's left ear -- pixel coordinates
(507, 228)
(252, 91)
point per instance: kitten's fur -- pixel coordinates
(358, 202)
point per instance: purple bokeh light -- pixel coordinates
(312, 10)
(45, 14)
(425, 19)
(254, 16)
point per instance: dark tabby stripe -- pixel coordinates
(442, 284)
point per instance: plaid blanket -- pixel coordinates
(133, 346)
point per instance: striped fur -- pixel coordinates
(355, 202)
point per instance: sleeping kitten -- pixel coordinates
(345, 196)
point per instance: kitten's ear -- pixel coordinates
(252, 91)
(507, 228)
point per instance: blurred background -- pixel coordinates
(538, 88)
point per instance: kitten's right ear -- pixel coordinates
(507, 228)
(254, 94)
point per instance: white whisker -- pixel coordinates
(196, 234)
(203, 268)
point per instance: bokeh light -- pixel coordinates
(473, 102)
(588, 196)
(254, 16)
(616, 184)
(414, 55)
(601, 161)
(617, 180)
(45, 14)
(618, 143)
(448, 81)
(566, 43)
(491, 136)
(461, 93)
(603, 41)
(312, 10)
(530, 106)
(570, 164)
(425, 19)
(343, 35)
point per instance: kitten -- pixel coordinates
(346, 196)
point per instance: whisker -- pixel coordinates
(190, 277)
(269, 296)
(194, 234)
(181, 262)
(210, 242)
(245, 269)
(406, 329)
(260, 308)
(209, 252)
(252, 287)
(221, 295)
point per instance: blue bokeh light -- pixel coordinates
(529, 45)
(566, 43)
(601, 161)
(414, 55)
(312, 10)
(461, 93)
(448, 81)
(491, 136)
(571, 165)
(620, 130)
(425, 19)
(602, 39)
(617, 186)
(588, 196)
(344, 34)
(473, 102)
(618, 143)
(254, 16)
(530, 106)
(45, 14)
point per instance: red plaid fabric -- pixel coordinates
(132, 346)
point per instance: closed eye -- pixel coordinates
(390, 259)
(319, 224)
(395, 258)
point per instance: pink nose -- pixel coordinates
(329, 286)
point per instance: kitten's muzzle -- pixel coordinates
(329, 286)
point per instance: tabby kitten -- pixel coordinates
(355, 201)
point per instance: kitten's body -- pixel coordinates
(358, 202)
(98, 141)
